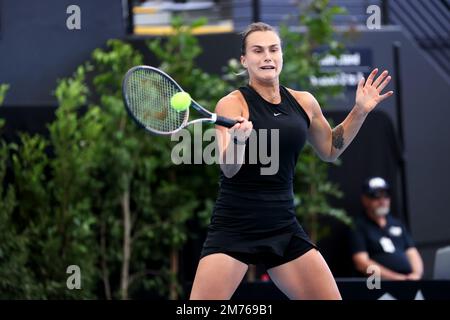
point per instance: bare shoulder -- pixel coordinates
(233, 104)
(307, 101)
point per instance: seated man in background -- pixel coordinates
(381, 240)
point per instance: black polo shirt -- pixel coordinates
(386, 245)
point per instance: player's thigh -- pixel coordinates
(307, 277)
(217, 277)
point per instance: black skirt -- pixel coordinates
(256, 228)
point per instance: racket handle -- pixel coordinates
(222, 121)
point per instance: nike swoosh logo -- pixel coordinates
(276, 114)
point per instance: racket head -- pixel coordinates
(147, 92)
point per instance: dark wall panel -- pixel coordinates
(37, 48)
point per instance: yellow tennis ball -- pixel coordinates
(180, 101)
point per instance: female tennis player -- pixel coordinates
(254, 219)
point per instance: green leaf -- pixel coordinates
(3, 89)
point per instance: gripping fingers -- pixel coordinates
(242, 129)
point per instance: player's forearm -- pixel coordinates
(343, 134)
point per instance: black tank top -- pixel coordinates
(292, 123)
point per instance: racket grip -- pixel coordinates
(222, 121)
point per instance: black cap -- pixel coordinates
(374, 185)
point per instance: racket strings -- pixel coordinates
(149, 95)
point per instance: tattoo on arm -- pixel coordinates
(338, 137)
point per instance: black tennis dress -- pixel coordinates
(254, 216)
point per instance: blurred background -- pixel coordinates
(81, 186)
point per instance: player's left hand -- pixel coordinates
(368, 93)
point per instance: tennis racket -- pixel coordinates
(147, 92)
